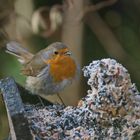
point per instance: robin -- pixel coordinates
(49, 71)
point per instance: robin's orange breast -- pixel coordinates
(63, 67)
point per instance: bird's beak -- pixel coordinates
(68, 53)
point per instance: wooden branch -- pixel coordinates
(98, 6)
(105, 36)
(103, 32)
(72, 35)
(19, 128)
(95, 7)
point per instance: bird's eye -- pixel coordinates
(56, 52)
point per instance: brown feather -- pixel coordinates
(33, 67)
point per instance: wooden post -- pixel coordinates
(19, 128)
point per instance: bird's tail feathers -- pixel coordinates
(17, 50)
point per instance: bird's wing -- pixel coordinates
(35, 66)
(23, 55)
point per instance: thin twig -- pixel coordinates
(61, 99)
(96, 7)
(99, 5)
(41, 101)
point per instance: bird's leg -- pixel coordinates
(61, 99)
(41, 101)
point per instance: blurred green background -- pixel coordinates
(121, 19)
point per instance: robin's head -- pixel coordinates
(56, 51)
